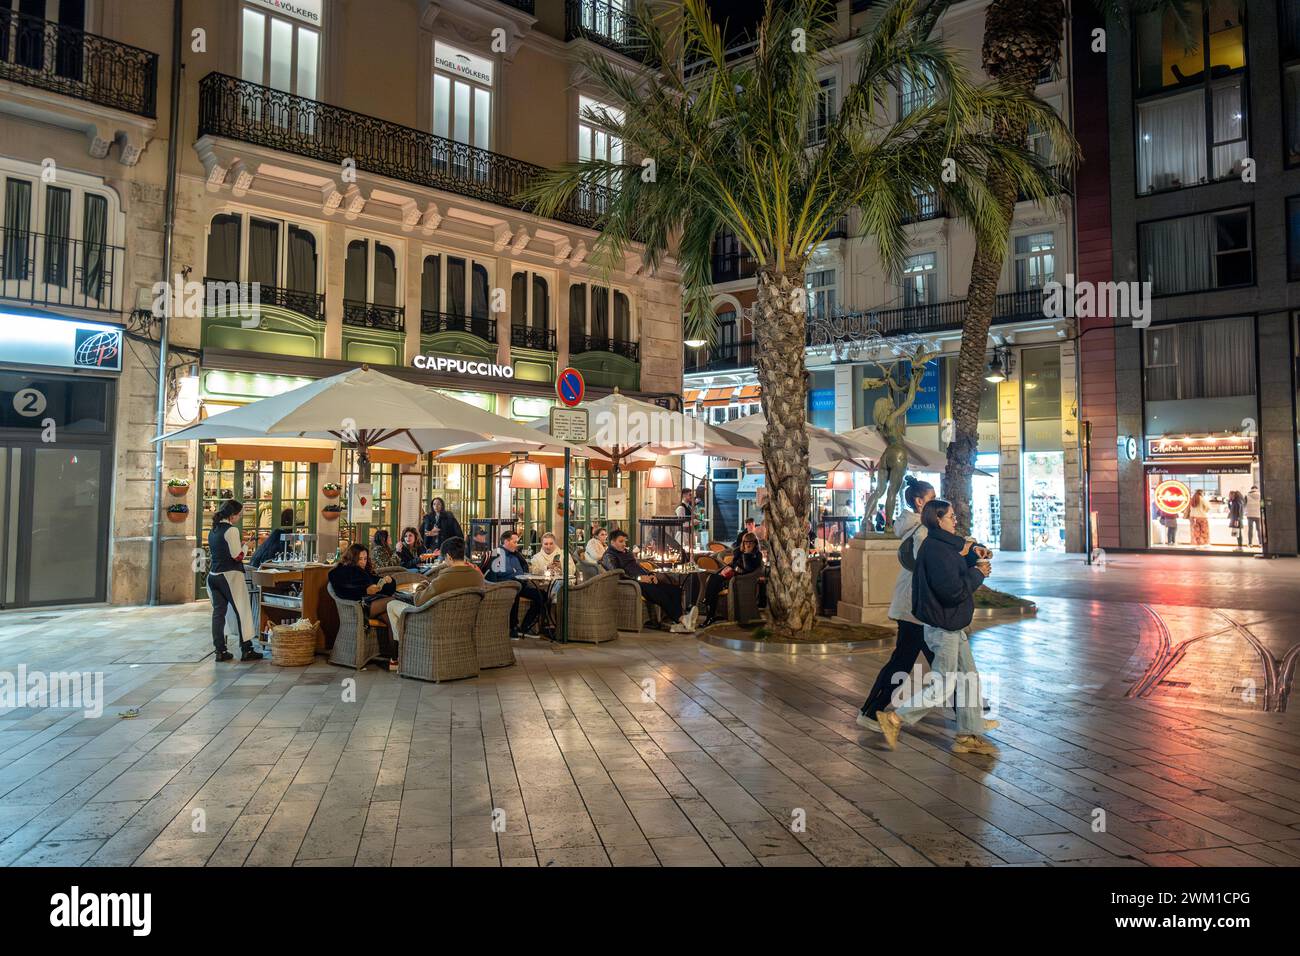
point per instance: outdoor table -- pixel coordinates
(682, 576)
(549, 585)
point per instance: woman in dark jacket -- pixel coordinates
(353, 580)
(745, 559)
(943, 599)
(440, 525)
(409, 551)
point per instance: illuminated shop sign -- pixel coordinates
(33, 340)
(464, 64)
(458, 365)
(309, 11)
(1172, 497)
(1209, 446)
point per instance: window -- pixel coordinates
(1197, 134)
(54, 242)
(26, 46)
(530, 301)
(281, 257)
(1038, 141)
(462, 96)
(915, 93)
(1196, 253)
(280, 45)
(370, 274)
(821, 293)
(1289, 42)
(919, 279)
(1199, 377)
(595, 143)
(444, 280)
(824, 112)
(1035, 260)
(589, 315)
(606, 18)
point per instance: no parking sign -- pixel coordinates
(569, 387)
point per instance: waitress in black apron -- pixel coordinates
(227, 586)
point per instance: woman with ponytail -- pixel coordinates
(226, 585)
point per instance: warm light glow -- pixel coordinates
(839, 481)
(660, 477)
(528, 475)
(694, 343)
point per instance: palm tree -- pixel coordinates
(717, 143)
(1022, 40)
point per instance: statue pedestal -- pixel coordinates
(868, 570)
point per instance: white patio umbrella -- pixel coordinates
(623, 428)
(919, 457)
(827, 451)
(366, 409)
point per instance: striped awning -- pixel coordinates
(719, 396)
(690, 396)
(749, 393)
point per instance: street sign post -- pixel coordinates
(568, 424)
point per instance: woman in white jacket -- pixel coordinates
(911, 632)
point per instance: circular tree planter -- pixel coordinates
(993, 605)
(846, 639)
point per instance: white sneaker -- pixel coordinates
(691, 615)
(680, 627)
(869, 723)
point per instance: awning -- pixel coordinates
(690, 396)
(719, 396)
(749, 393)
(278, 449)
(393, 456)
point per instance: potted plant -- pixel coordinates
(177, 513)
(331, 512)
(330, 490)
(178, 486)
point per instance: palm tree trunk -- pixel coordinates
(1021, 39)
(780, 333)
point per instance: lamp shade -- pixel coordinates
(660, 476)
(528, 475)
(839, 481)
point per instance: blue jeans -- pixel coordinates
(953, 669)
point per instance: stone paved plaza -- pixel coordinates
(1138, 690)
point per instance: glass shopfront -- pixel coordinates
(1201, 492)
(1043, 461)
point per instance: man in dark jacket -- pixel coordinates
(667, 597)
(509, 565)
(943, 599)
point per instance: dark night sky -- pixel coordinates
(737, 14)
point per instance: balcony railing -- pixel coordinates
(251, 113)
(611, 25)
(927, 207)
(223, 292)
(720, 357)
(368, 315)
(730, 266)
(524, 5)
(1061, 177)
(951, 315)
(62, 59)
(485, 328)
(527, 337)
(44, 269)
(594, 343)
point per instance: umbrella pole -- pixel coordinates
(564, 527)
(363, 477)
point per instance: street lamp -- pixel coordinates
(528, 475)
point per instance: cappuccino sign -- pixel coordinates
(453, 365)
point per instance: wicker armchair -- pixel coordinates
(356, 644)
(630, 614)
(742, 597)
(592, 613)
(405, 576)
(438, 637)
(492, 625)
(588, 569)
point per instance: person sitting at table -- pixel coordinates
(749, 528)
(456, 573)
(745, 559)
(664, 595)
(508, 565)
(353, 579)
(597, 545)
(547, 556)
(381, 550)
(409, 551)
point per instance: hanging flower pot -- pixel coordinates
(177, 487)
(331, 512)
(330, 490)
(177, 513)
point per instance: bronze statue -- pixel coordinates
(890, 417)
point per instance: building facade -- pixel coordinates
(1204, 206)
(336, 208)
(1028, 495)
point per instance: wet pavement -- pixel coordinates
(1141, 724)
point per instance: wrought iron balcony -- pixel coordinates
(593, 343)
(368, 315)
(44, 269)
(524, 5)
(482, 326)
(527, 337)
(720, 357)
(62, 59)
(927, 207)
(223, 292)
(946, 316)
(251, 113)
(730, 266)
(607, 24)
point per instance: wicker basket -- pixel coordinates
(294, 645)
